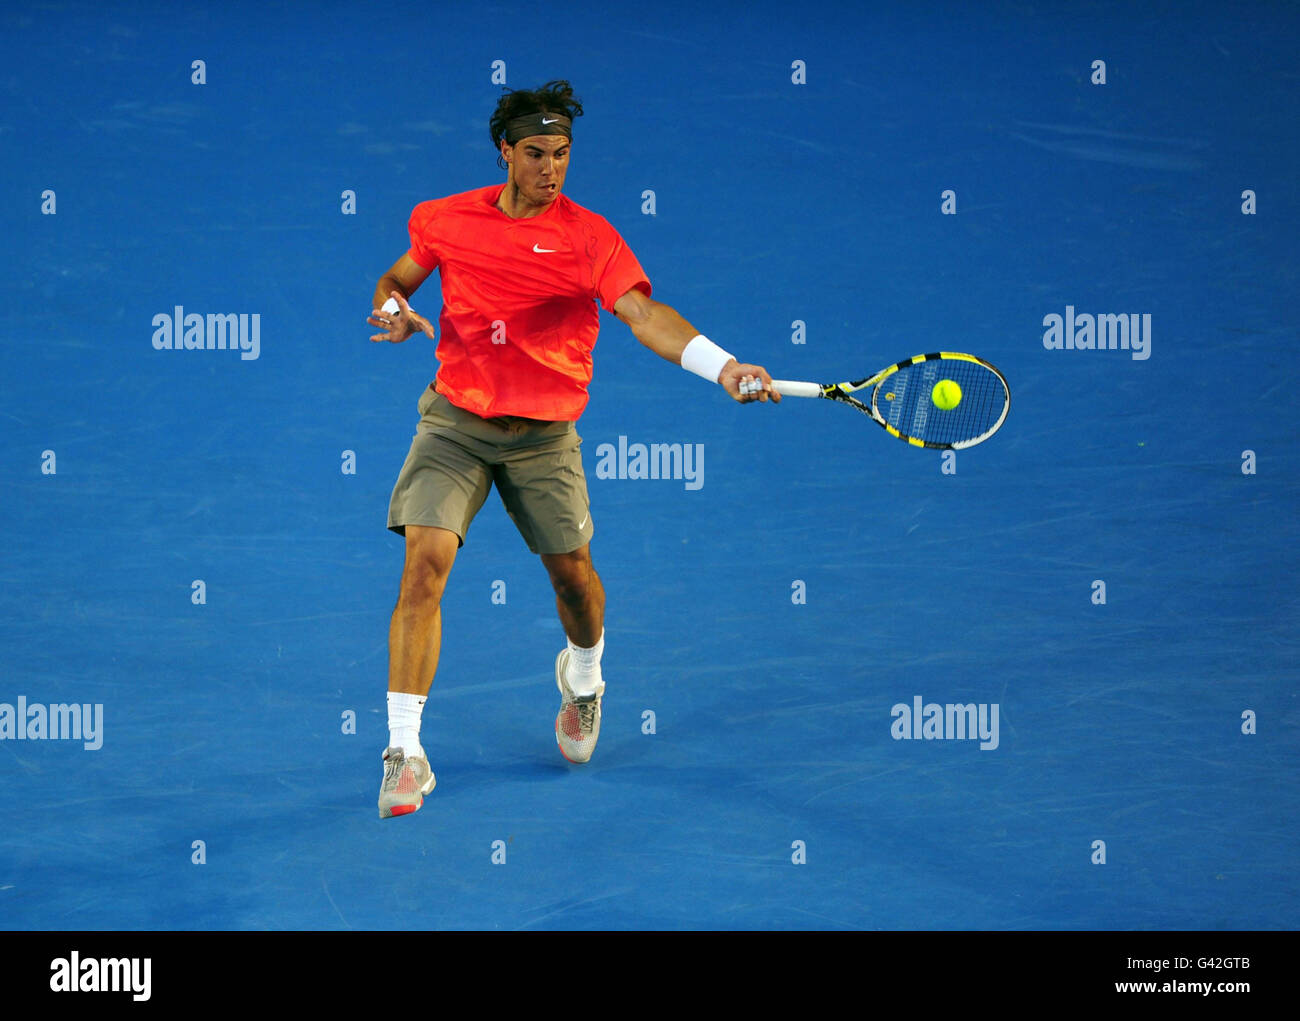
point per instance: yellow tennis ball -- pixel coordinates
(946, 394)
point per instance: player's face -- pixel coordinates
(537, 167)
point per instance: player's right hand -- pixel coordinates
(735, 373)
(399, 325)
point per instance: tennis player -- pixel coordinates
(523, 269)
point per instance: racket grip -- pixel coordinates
(792, 388)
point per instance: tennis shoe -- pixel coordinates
(406, 781)
(577, 726)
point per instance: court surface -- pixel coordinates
(763, 624)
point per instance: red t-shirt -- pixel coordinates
(519, 316)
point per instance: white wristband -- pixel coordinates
(392, 307)
(704, 358)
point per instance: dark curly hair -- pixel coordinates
(553, 97)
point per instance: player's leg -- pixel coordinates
(579, 595)
(580, 600)
(414, 641)
(440, 489)
(415, 631)
(543, 488)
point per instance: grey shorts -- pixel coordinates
(456, 457)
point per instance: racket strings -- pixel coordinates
(904, 400)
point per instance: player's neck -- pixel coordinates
(516, 206)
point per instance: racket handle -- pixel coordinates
(791, 388)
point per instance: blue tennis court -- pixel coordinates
(194, 542)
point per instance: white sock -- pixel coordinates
(404, 722)
(584, 667)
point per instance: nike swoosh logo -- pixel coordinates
(543, 251)
(545, 121)
(582, 522)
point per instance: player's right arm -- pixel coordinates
(401, 281)
(406, 276)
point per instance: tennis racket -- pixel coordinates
(904, 401)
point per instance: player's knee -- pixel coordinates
(573, 583)
(424, 577)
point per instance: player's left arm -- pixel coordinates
(664, 331)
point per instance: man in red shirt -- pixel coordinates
(523, 269)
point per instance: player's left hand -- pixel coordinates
(399, 325)
(734, 373)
